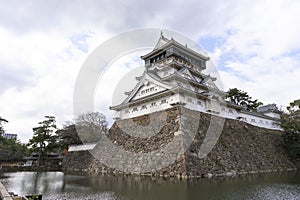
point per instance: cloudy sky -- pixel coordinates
(255, 46)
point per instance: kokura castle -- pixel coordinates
(173, 76)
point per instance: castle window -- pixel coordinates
(134, 110)
(126, 111)
(223, 109)
(267, 122)
(202, 63)
(199, 103)
(163, 101)
(261, 121)
(147, 90)
(230, 111)
(253, 120)
(144, 107)
(157, 58)
(153, 104)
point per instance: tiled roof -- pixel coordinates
(269, 107)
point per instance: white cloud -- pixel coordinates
(38, 75)
(119, 78)
(267, 28)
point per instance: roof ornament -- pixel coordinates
(162, 34)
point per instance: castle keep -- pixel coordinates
(173, 76)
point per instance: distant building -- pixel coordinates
(173, 76)
(10, 136)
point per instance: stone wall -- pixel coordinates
(77, 162)
(241, 147)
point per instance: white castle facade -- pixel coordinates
(173, 76)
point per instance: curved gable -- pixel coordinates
(147, 85)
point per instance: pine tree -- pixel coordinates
(242, 98)
(44, 139)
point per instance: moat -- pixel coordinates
(56, 185)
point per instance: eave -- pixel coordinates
(176, 44)
(259, 115)
(141, 100)
(175, 90)
(177, 76)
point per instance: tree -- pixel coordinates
(68, 136)
(92, 119)
(1, 125)
(90, 126)
(12, 149)
(44, 140)
(242, 98)
(290, 122)
(294, 107)
(87, 128)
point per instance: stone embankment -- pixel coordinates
(206, 146)
(45, 165)
(4, 194)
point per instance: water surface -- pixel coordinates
(56, 185)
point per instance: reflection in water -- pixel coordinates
(56, 185)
